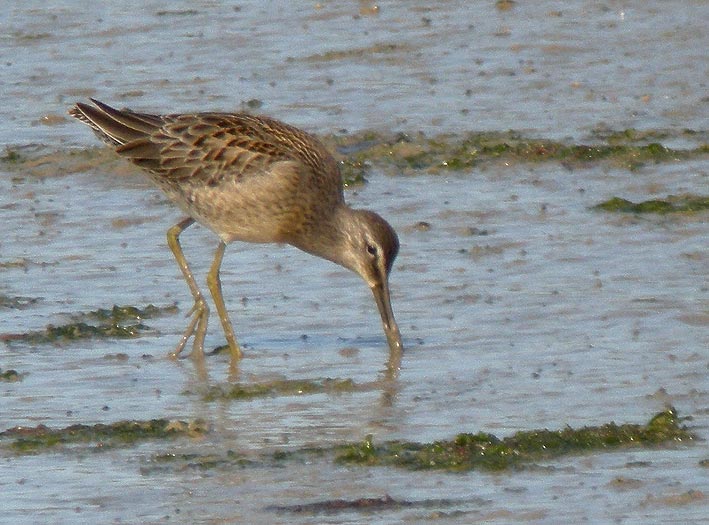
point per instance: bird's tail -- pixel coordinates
(113, 126)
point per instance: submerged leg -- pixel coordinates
(215, 286)
(200, 310)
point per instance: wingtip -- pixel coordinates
(77, 110)
(80, 107)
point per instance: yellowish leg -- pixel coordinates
(200, 310)
(215, 286)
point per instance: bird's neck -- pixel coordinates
(329, 238)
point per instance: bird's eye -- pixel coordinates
(371, 249)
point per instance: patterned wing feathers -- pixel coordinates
(205, 146)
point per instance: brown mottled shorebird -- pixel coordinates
(253, 179)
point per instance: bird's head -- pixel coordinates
(371, 247)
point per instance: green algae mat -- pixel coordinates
(672, 204)
(464, 452)
(101, 436)
(487, 452)
(119, 322)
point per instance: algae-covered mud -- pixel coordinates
(10, 375)
(673, 204)
(23, 440)
(465, 452)
(546, 168)
(483, 451)
(117, 322)
(486, 451)
(407, 153)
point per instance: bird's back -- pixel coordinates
(202, 145)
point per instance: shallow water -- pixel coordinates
(557, 68)
(556, 316)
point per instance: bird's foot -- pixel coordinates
(196, 328)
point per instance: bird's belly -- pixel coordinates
(250, 216)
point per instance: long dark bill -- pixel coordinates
(391, 330)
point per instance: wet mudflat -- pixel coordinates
(523, 307)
